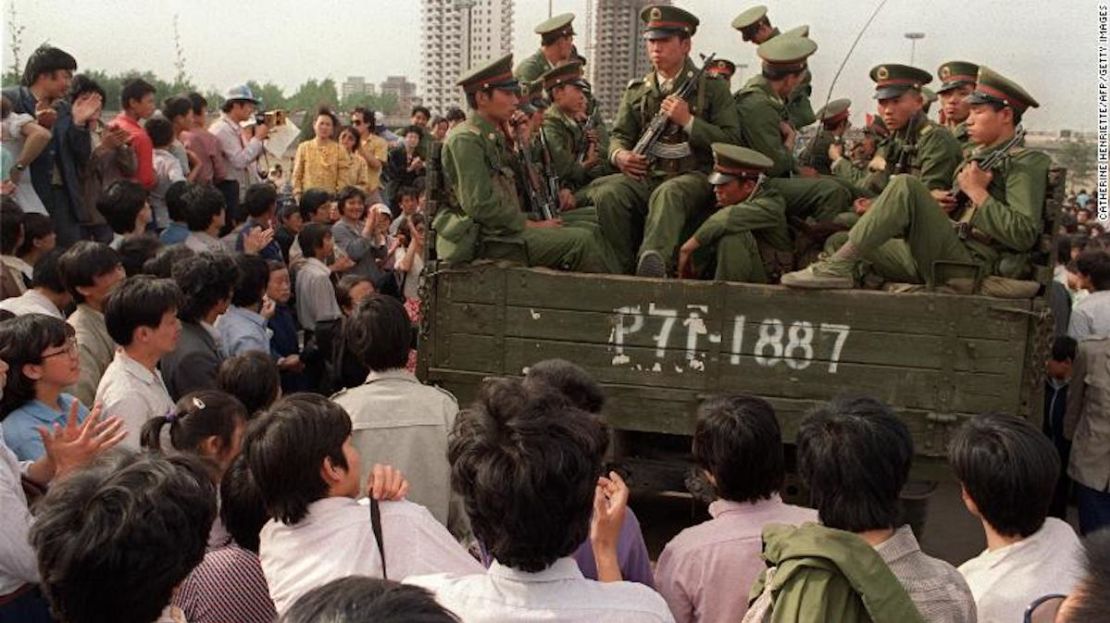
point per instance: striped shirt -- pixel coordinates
(226, 587)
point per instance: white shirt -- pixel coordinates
(31, 302)
(25, 195)
(201, 242)
(558, 593)
(18, 565)
(315, 294)
(335, 540)
(133, 393)
(1005, 581)
(240, 155)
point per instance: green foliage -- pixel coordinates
(385, 103)
(1078, 156)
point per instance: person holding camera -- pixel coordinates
(241, 147)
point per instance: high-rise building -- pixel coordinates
(617, 49)
(355, 86)
(457, 35)
(403, 90)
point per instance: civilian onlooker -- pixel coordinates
(1007, 470)
(167, 168)
(41, 352)
(228, 584)
(379, 128)
(321, 162)
(13, 280)
(704, 572)
(854, 456)
(39, 238)
(527, 464)
(90, 271)
(289, 214)
(112, 159)
(408, 199)
(253, 379)
(23, 141)
(439, 127)
(366, 600)
(46, 80)
(141, 316)
(204, 213)
(240, 151)
(284, 341)
(115, 540)
(243, 326)
(455, 116)
(125, 207)
(1091, 316)
(1087, 425)
(135, 251)
(315, 294)
(137, 105)
(408, 258)
(178, 110)
(1058, 371)
(318, 206)
(1090, 601)
(301, 457)
(349, 292)
(373, 149)
(358, 175)
(358, 234)
(396, 419)
(257, 234)
(176, 230)
(405, 163)
(209, 424)
(47, 294)
(335, 364)
(161, 265)
(210, 164)
(206, 281)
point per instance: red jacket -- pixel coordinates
(144, 150)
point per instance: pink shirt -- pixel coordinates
(207, 148)
(706, 571)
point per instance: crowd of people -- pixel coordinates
(209, 411)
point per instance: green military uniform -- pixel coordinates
(747, 22)
(930, 97)
(487, 220)
(998, 234)
(955, 74)
(799, 110)
(530, 69)
(565, 136)
(816, 153)
(721, 68)
(675, 187)
(751, 240)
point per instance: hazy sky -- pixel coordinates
(1047, 47)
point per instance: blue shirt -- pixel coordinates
(243, 330)
(21, 426)
(271, 251)
(175, 233)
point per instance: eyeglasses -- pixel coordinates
(1044, 609)
(69, 349)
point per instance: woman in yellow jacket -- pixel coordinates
(359, 171)
(321, 162)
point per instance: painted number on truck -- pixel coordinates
(795, 344)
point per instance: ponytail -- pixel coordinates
(151, 435)
(196, 417)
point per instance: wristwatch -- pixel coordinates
(20, 167)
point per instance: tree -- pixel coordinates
(15, 32)
(181, 82)
(315, 93)
(271, 95)
(1078, 157)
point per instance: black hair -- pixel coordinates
(22, 341)
(361, 599)
(254, 274)
(228, 105)
(1090, 600)
(11, 226)
(1063, 250)
(175, 200)
(202, 205)
(350, 192)
(1008, 468)
(134, 89)
(136, 251)
(367, 115)
(259, 199)
(83, 262)
(253, 378)
(47, 272)
(206, 280)
(114, 540)
(287, 208)
(198, 102)
(526, 462)
(854, 456)
(419, 131)
(421, 109)
(407, 191)
(176, 106)
(47, 59)
(161, 265)
(286, 447)
(779, 73)
(1064, 348)
(312, 200)
(140, 301)
(568, 379)
(35, 227)
(379, 333)
(455, 113)
(241, 507)
(82, 84)
(549, 38)
(324, 111)
(349, 129)
(1095, 265)
(312, 237)
(998, 106)
(160, 131)
(196, 417)
(121, 203)
(738, 441)
(346, 284)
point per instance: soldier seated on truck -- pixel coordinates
(910, 231)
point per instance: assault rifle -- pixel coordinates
(551, 177)
(540, 200)
(987, 164)
(588, 126)
(658, 125)
(433, 191)
(904, 163)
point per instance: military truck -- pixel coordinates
(661, 346)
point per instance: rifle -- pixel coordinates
(909, 148)
(433, 189)
(659, 123)
(587, 127)
(987, 164)
(540, 202)
(551, 177)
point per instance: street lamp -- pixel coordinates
(740, 67)
(469, 6)
(913, 37)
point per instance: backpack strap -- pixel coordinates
(376, 526)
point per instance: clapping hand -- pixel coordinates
(73, 445)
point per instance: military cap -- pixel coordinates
(559, 25)
(496, 74)
(892, 80)
(800, 31)
(786, 53)
(749, 17)
(667, 21)
(930, 97)
(835, 111)
(994, 88)
(532, 99)
(956, 73)
(721, 67)
(567, 73)
(732, 162)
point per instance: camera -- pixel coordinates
(271, 118)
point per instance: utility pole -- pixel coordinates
(913, 37)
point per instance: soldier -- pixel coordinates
(574, 148)
(721, 68)
(488, 221)
(928, 98)
(556, 47)
(996, 231)
(749, 230)
(755, 27)
(852, 167)
(835, 122)
(656, 193)
(957, 82)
